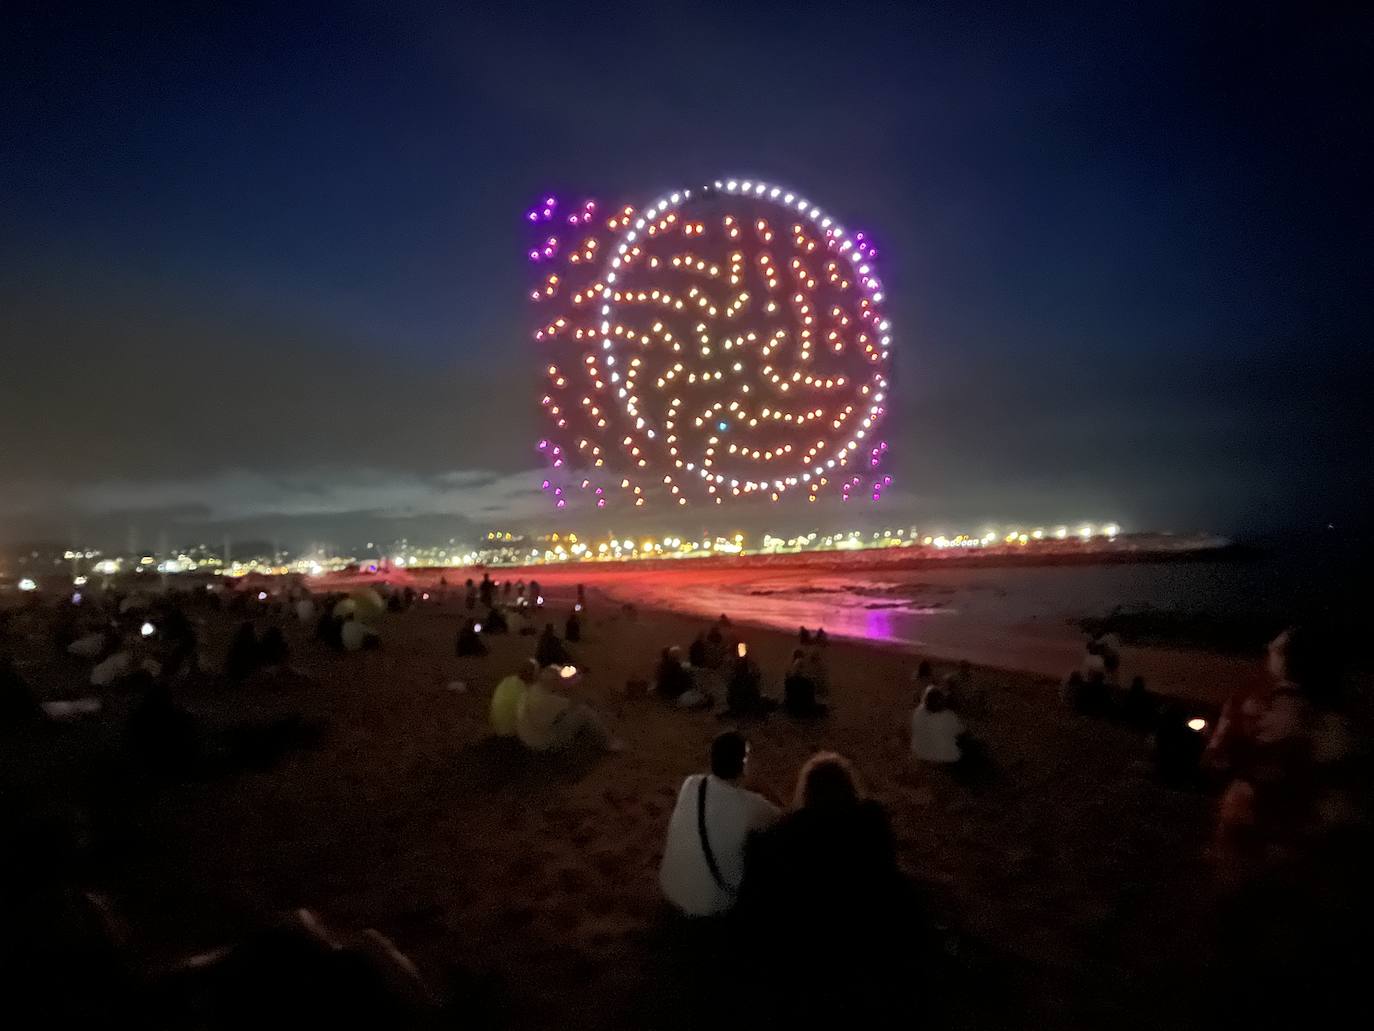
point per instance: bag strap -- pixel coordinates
(705, 839)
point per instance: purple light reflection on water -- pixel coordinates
(878, 625)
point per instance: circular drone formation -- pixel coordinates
(725, 342)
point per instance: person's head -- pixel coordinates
(548, 629)
(729, 754)
(797, 655)
(826, 781)
(1075, 679)
(1298, 657)
(934, 699)
(529, 671)
(1137, 685)
(923, 671)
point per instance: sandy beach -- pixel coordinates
(533, 882)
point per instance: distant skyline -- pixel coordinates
(261, 267)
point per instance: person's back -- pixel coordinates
(935, 729)
(671, 680)
(549, 651)
(743, 692)
(697, 652)
(356, 635)
(731, 815)
(506, 699)
(537, 716)
(826, 906)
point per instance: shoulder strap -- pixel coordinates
(705, 839)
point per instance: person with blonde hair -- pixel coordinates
(827, 905)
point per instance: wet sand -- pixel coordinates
(536, 878)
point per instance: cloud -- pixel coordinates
(238, 495)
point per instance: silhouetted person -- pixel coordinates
(799, 688)
(536, 599)
(581, 596)
(744, 688)
(242, 658)
(670, 679)
(803, 636)
(549, 650)
(821, 639)
(830, 917)
(469, 643)
(469, 595)
(487, 591)
(572, 630)
(697, 652)
(715, 649)
(496, 622)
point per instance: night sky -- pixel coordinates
(261, 267)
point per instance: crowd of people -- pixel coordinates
(821, 869)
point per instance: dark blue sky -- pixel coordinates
(261, 266)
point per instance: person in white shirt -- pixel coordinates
(703, 856)
(936, 729)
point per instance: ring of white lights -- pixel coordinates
(805, 324)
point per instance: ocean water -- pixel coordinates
(1026, 617)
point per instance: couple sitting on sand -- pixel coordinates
(728, 845)
(817, 925)
(526, 705)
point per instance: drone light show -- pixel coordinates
(726, 342)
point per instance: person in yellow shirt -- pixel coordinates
(549, 722)
(505, 700)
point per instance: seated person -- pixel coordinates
(357, 635)
(715, 649)
(546, 721)
(496, 622)
(505, 700)
(827, 872)
(549, 650)
(671, 680)
(936, 730)
(743, 691)
(697, 652)
(703, 856)
(469, 642)
(799, 689)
